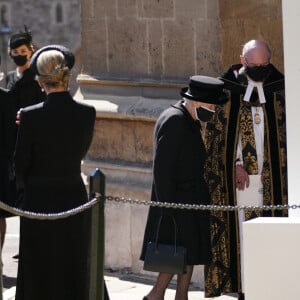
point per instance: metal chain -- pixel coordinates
(85, 206)
(201, 206)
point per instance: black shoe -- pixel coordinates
(16, 256)
(241, 296)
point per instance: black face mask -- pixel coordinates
(258, 73)
(20, 60)
(204, 114)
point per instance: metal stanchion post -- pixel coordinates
(97, 189)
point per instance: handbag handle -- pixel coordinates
(175, 235)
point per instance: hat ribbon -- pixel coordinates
(260, 90)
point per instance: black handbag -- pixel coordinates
(164, 258)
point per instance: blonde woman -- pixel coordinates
(53, 138)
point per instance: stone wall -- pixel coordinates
(243, 20)
(159, 40)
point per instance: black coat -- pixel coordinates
(179, 156)
(7, 177)
(26, 90)
(53, 138)
(20, 92)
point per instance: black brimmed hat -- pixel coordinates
(68, 55)
(20, 38)
(205, 89)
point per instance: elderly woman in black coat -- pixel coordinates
(178, 170)
(53, 138)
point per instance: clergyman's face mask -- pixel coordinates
(258, 73)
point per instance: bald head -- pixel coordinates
(256, 52)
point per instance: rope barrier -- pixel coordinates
(49, 216)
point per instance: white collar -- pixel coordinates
(19, 74)
(260, 90)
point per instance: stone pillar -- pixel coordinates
(271, 258)
(291, 10)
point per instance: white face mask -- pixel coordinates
(204, 114)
